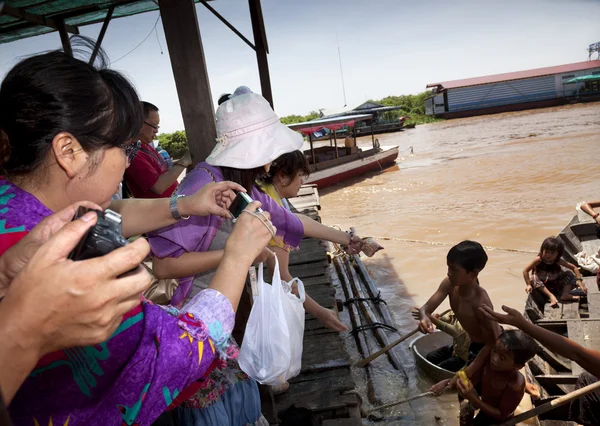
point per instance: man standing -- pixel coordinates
(148, 175)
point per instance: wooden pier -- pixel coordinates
(325, 380)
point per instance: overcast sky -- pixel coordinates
(388, 47)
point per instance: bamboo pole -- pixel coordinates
(361, 339)
(369, 315)
(552, 404)
(370, 358)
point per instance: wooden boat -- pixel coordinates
(423, 345)
(579, 321)
(332, 164)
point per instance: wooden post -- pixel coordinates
(64, 37)
(335, 142)
(372, 133)
(312, 149)
(191, 77)
(262, 48)
(101, 35)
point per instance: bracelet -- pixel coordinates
(578, 279)
(173, 207)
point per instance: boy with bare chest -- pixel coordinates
(465, 260)
(494, 386)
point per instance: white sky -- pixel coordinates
(388, 47)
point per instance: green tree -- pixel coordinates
(174, 143)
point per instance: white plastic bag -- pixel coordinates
(266, 350)
(294, 314)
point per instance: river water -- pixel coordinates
(506, 180)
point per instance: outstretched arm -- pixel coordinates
(145, 215)
(528, 284)
(425, 324)
(589, 209)
(589, 359)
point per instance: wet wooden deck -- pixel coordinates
(325, 376)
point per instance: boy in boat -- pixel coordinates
(465, 260)
(494, 386)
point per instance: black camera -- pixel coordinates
(102, 238)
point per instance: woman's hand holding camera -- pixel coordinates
(213, 198)
(53, 303)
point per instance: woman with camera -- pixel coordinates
(249, 137)
(65, 134)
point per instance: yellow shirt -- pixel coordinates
(270, 190)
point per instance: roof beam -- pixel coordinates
(32, 18)
(230, 26)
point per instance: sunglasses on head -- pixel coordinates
(131, 149)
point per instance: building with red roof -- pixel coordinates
(540, 87)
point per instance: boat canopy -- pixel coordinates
(583, 78)
(328, 123)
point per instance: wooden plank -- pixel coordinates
(567, 310)
(319, 400)
(309, 270)
(343, 422)
(594, 305)
(556, 379)
(322, 352)
(587, 334)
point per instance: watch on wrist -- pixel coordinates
(173, 207)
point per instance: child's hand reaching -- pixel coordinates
(553, 301)
(528, 288)
(439, 388)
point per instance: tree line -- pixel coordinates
(412, 105)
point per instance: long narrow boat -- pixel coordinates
(331, 164)
(579, 321)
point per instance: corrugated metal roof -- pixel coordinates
(538, 72)
(27, 18)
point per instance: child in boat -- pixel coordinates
(546, 274)
(495, 386)
(465, 260)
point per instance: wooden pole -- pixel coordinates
(191, 77)
(335, 142)
(552, 404)
(360, 338)
(372, 133)
(101, 35)
(372, 290)
(370, 358)
(370, 316)
(262, 49)
(64, 37)
(312, 148)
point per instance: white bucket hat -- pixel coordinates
(249, 134)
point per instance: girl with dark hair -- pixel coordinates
(546, 274)
(285, 177)
(249, 138)
(65, 135)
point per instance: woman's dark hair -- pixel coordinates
(225, 97)
(288, 165)
(53, 92)
(553, 244)
(522, 347)
(148, 108)
(245, 177)
(469, 255)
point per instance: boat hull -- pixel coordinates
(332, 175)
